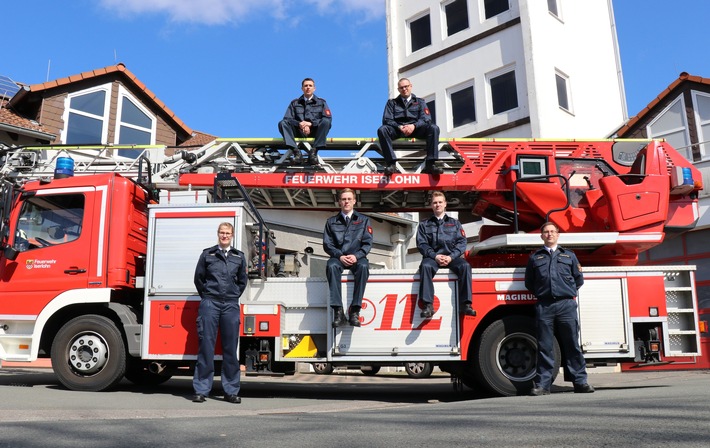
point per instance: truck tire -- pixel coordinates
(322, 368)
(88, 354)
(419, 369)
(506, 356)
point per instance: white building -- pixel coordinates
(510, 68)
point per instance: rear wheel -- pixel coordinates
(419, 369)
(322, 368)
(88, 354)
(506, 359)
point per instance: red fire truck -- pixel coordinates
(96, 271)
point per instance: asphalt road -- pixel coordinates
(343, 410)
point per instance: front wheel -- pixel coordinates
(88, 354)
(506, 358)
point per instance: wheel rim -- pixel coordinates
(88, 353)
(416, 367)
(517, 356)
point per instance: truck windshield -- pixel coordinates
(48, 221)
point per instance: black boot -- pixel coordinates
(339, 317)
(428, 311)
(313, 157)
(354, 319)
(466, 310)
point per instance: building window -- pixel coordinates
(553, 8)
(494, 7)
(672, 125)
(562, 83)
(463, 107)
(702, 118)
(86, 116)
(134, 125)
(504, 93)
(456, 13)
(420, 31)
(431, 105)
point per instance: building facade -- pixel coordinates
(510, 68)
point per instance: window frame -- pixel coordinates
(450, 106)
(427, 99)
(107, 88)
(559, 74)
(445, 19)
(704, 147)
(484, 12)
(686, 150)
(125, 93)
(412, 19)
(490, 93)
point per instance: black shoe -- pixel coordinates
(428, 311)
(233, 399)
(354, 319)
(468, 311)
(198, 398)
(583, 389)
(390, 169)
(339, 319)
(538, 391)
(432, 169)
(312, 158)
(297, 157)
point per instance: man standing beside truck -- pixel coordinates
(347, 238)
(220, 279)
(554, 275)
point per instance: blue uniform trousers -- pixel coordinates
(429, 267)
(334, 270)
(430, 132)
(213, 317)
(318, 133)
(560, 315)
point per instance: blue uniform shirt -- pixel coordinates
(341, 238)
(446, 237)
(313, 110)
(397, 113)
(557, 275)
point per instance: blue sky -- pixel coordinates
(230, 67)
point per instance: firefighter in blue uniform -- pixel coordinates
(442, 242)
(220, 279)
(554, 275)
(347, 238)
(408, 116)
(306, 117)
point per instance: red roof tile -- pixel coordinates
(120, 67)
(7, 116)
(683, 77)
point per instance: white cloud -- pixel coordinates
(217, 12)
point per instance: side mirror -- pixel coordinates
(10, 253)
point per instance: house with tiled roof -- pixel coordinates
(681, 115)
(105, 106)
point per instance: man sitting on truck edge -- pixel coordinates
(220, 279)
(306, 116)
(442, 242)
(408, 116)
(554, 275)
(347, 238)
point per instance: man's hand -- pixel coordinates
(407, 129)
(348, 260)
(443, 260)
(305, 127)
